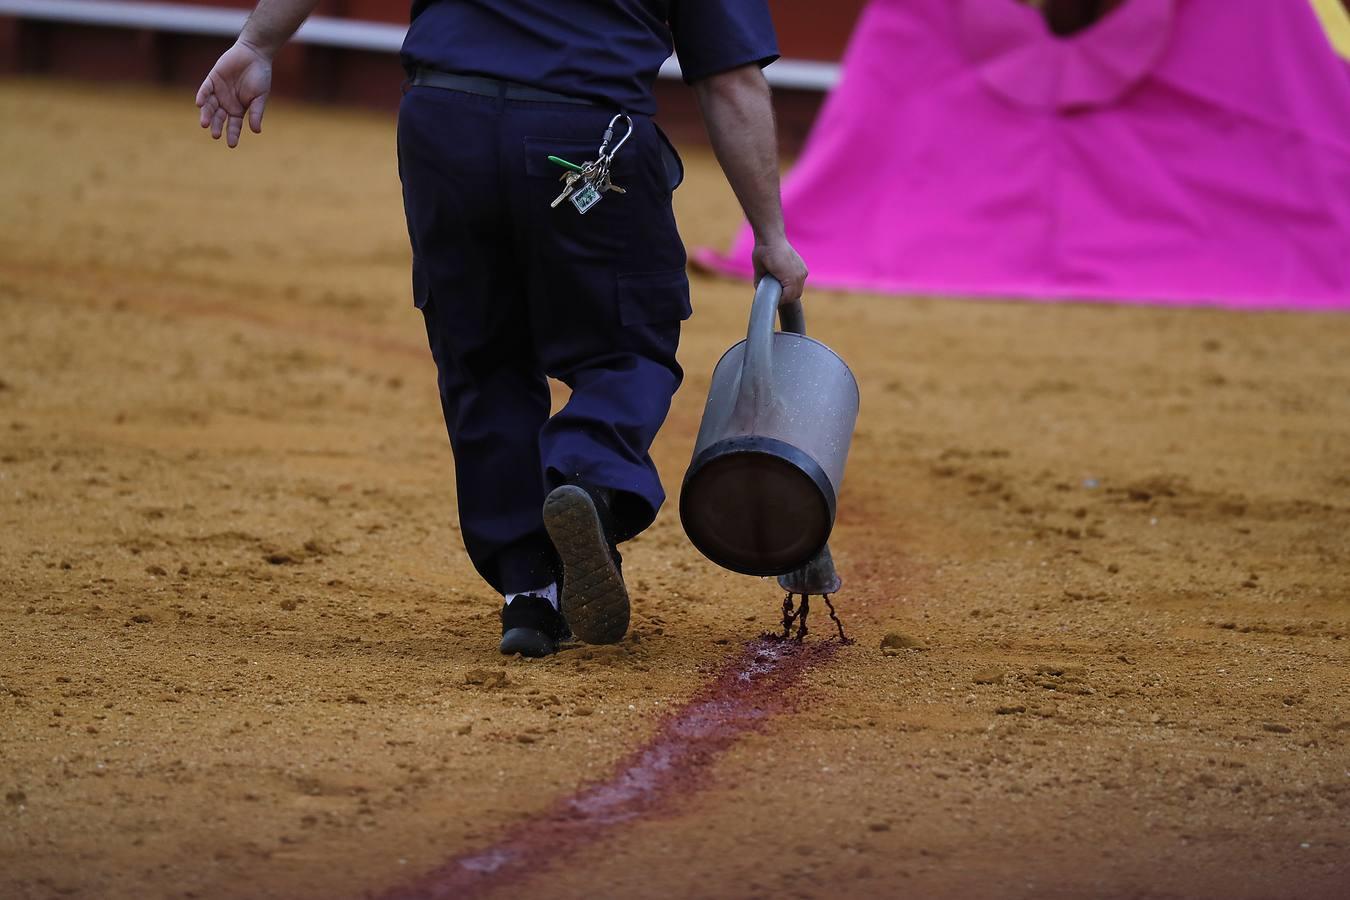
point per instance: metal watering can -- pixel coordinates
(759, 496)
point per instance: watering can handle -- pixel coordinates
(768, 295)
(757, 367)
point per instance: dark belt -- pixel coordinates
(492, 87)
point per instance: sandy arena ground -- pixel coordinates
(245, 656)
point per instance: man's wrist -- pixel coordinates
(259, 44)
(772, 234)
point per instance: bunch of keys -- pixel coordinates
(586, 184)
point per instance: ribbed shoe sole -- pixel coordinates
(594, 600)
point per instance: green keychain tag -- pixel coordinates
(559, 161)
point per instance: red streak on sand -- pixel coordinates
(748, 691)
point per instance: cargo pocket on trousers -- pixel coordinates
(652, 298)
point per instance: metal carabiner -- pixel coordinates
(609, 136)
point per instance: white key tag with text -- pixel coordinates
(585, 198)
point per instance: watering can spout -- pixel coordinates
(816, 577)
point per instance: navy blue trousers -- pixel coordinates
(514, 293)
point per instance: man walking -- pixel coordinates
(537, 190)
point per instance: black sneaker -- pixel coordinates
(594, 599)
(532, 627)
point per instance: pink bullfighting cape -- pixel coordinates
(1176, 151)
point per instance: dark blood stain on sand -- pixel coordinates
(745, 694)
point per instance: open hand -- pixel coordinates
(238, 83)
(779, 259)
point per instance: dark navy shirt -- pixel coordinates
(607, 50)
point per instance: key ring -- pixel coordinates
(609, 136)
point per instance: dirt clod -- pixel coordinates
(898, 640)
(488, 678)
(988, 676)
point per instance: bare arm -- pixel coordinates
(738, 113)
(242, 78)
